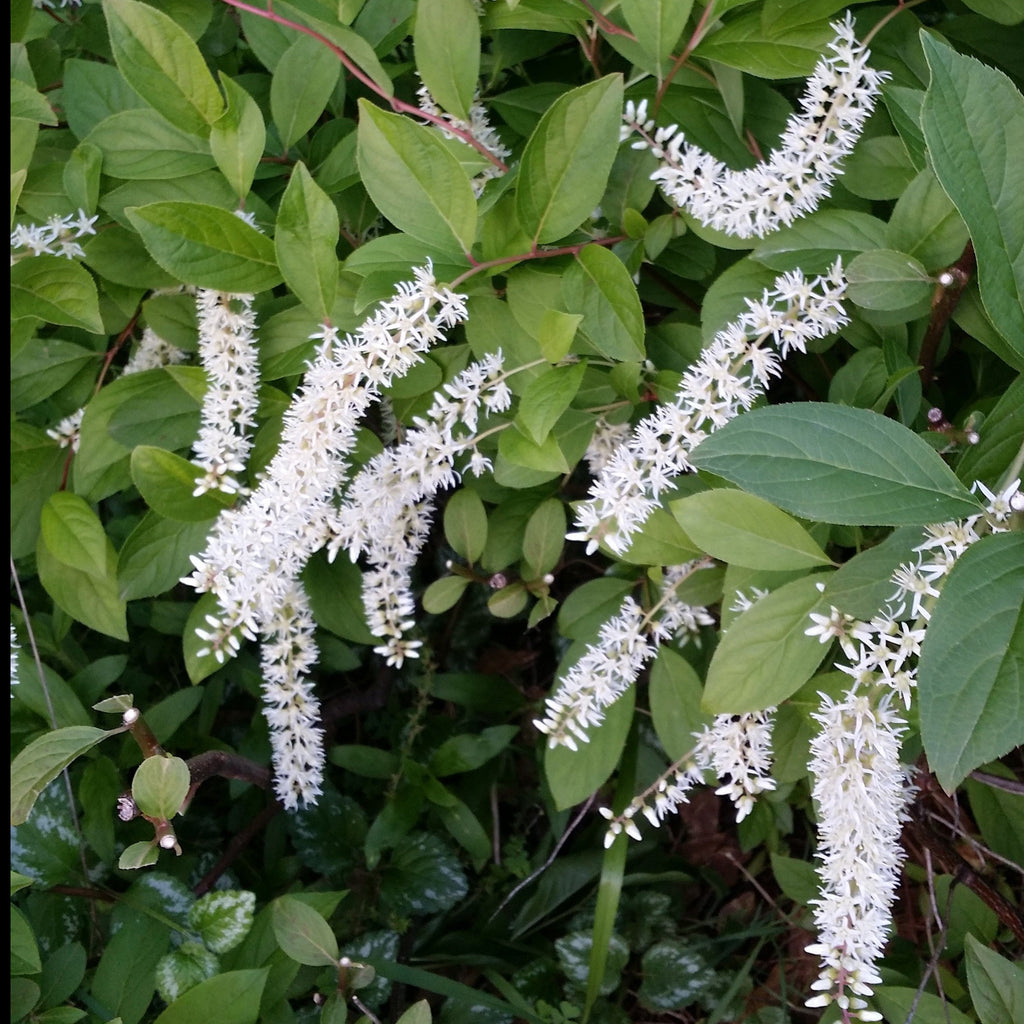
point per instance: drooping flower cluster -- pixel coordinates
(728, 377)
(860, 787)
(257, 550)
(861, 792)
(838, 99)
(604, 442)
(735, 749)
(228, 353)
(626, 642)
(478, 126)
(57, 237)
(388, 508)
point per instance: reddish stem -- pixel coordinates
(606, 24)
(698, 35)
(533, 254)
(399, 106)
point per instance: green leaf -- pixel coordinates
(160, 785)
(971, 672)
(82, 176)
(468, 751)
(836, 465)
(573, 775)
(24, 948)
(566, 162)
(863, 585)
(207, 246)
(305, 240)
(370, 762)
(444, 593)
(159, 407)
(1000, 438)
(885, 279)
(1006, 12)
(973, 123)
(675, 693)
(547, 457)
(660, 541)
(599, 286)
(765, 655)
(56, 290)
(30, 105)
(879, 168)
(238, 137)
(813, 242)
(142, 145)
(78, 565)
(591, 604)
(335, 594)
(229, 998)
(447, 47)
(184, 968)
(162, 64)
(996, 984)
(544, 538)
(300, 87)
(546, 397)
(657, 24)
(465, 524)
(798, 879)
(925, 224)
(676, 974)
(223, 918)
(414, 180)
(166, 482)
(424, 877)
(303, 934)
(43, 760)
(775, 51)
(922, 1007)
(508, 602)
(744, 530)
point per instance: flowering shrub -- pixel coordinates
(590, 411)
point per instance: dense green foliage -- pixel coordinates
(449, 862)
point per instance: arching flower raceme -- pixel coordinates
(257, 549)
(837, 101)
(730, 374)
(388, 508)
(228, 353)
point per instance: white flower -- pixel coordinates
(227, 350)
(57, 237)
(837, 101)
(14, 659)
(861, 793)
(67, 433)
(726, 379)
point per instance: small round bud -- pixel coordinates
(131, 716)
(936, 415)
(497, 581)
(972, 437)
(946, 279)
(168, 841)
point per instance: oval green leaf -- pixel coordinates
(745, 530)
(765, 656)
(414, 180)
(166, 482)
(38, 764)
(836, 465)
(162, 64)
(160, 785)
(447, 47)
(206, 246)
(567, 159)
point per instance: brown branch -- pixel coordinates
(948, 290)
(998, 782)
